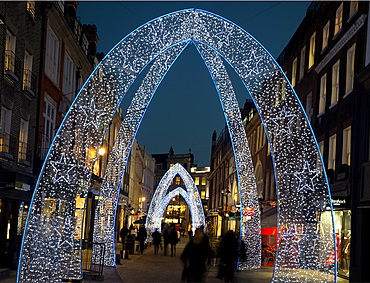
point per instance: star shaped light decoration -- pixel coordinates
(62, 169)
(223, 37)
(92, 114)
(283, 122)
(306, 178)
(252, 64)
(292, 241)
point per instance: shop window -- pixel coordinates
(332, 151)
(302, 62)
(294, 72)
(325, 35)
(311, 58)
(338, 19)
(346, 155)
(335, 83)
(353, 7)
(322, 101)
(350, 71)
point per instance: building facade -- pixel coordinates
(322, 61)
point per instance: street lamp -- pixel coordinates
(101, 152)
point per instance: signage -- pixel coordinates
(22, 187)
(340, 202)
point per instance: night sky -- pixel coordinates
(185, 109)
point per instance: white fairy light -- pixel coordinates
(52, 239)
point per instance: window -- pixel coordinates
(311, 58)
(203, 194)
(350, 72)
(309, 106)
(294, 72)
(6, 116)
(338, 19)
(31, 8)
(335, 83)
(353, 7)
(332, 147)
(302, 62)
(27, 70)
(322, 94)
(325, 35)
(346, 155)
(177, 180)
(197, 181)
(10, 52)
(204, 181)
(69, 76)
(48, 130)
(52, 56)
(23, 137)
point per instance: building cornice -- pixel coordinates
(345, 38)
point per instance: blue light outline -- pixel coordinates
(206, 12)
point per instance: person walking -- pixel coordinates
(142, 236)
(229, 255)
(166, 238)
(156, 240)
(123, 233)
(195, 257)
(173, 240)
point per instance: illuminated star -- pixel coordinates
(62, 169)
(283, 122)
(252, 64)
(292, 241)
(92, 114)
(306, 177)
(224, 36)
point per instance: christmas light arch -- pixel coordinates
(161, 199)
(51, 245)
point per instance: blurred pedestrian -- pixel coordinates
(123, 233)
(142, 236)
(156, 240)
(166, 237)
(195, 257)
(173, 240)
(229, 255)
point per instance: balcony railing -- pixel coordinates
(12, 65)
(4, 142)
(29, 82)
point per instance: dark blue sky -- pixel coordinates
(185, 109)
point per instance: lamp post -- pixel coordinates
(101, 153)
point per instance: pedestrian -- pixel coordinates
(123, 233)
(190, 233)
(229, 255)
(173, 240)
(195, 257)
(166, 238)
(156, 240)
(142, 236)
(131, 228)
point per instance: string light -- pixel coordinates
(161, 199)
(51, 247)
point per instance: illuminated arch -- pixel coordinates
(161, 199)
(51, 248)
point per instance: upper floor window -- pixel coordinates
(177, 180)
(203, 194)
(294, 72)
(48, 131)
(335, 83)
(325, 35)
(10, 52)
(346, 154)
(203, 181)
(27, 70)
(31, 8)
(52, 56)
(302, 62)
(332, 149)
(311, 58)
(309, 106)
(322, 101)
(69, 77)
(23, 137)
(353, 7)
(197, 181)
(5, 124)
(338, 19)
(350, 71)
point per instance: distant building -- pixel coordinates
(200, 176)
(148, 179)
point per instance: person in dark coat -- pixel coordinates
(166, 237)
(195, 257)
(229, 255)
(123, 233)
(173, 240)
(142, 236)
(156, 240)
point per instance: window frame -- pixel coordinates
(294, 72)
(325, 35)
(338, 23)
(350, 68)
(346, 150)
(335, 84)
(323, 93)
(311, 55)
(332, 151)
(302, 62)
(52, 56)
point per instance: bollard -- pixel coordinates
(118, 259)
(126, 254)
